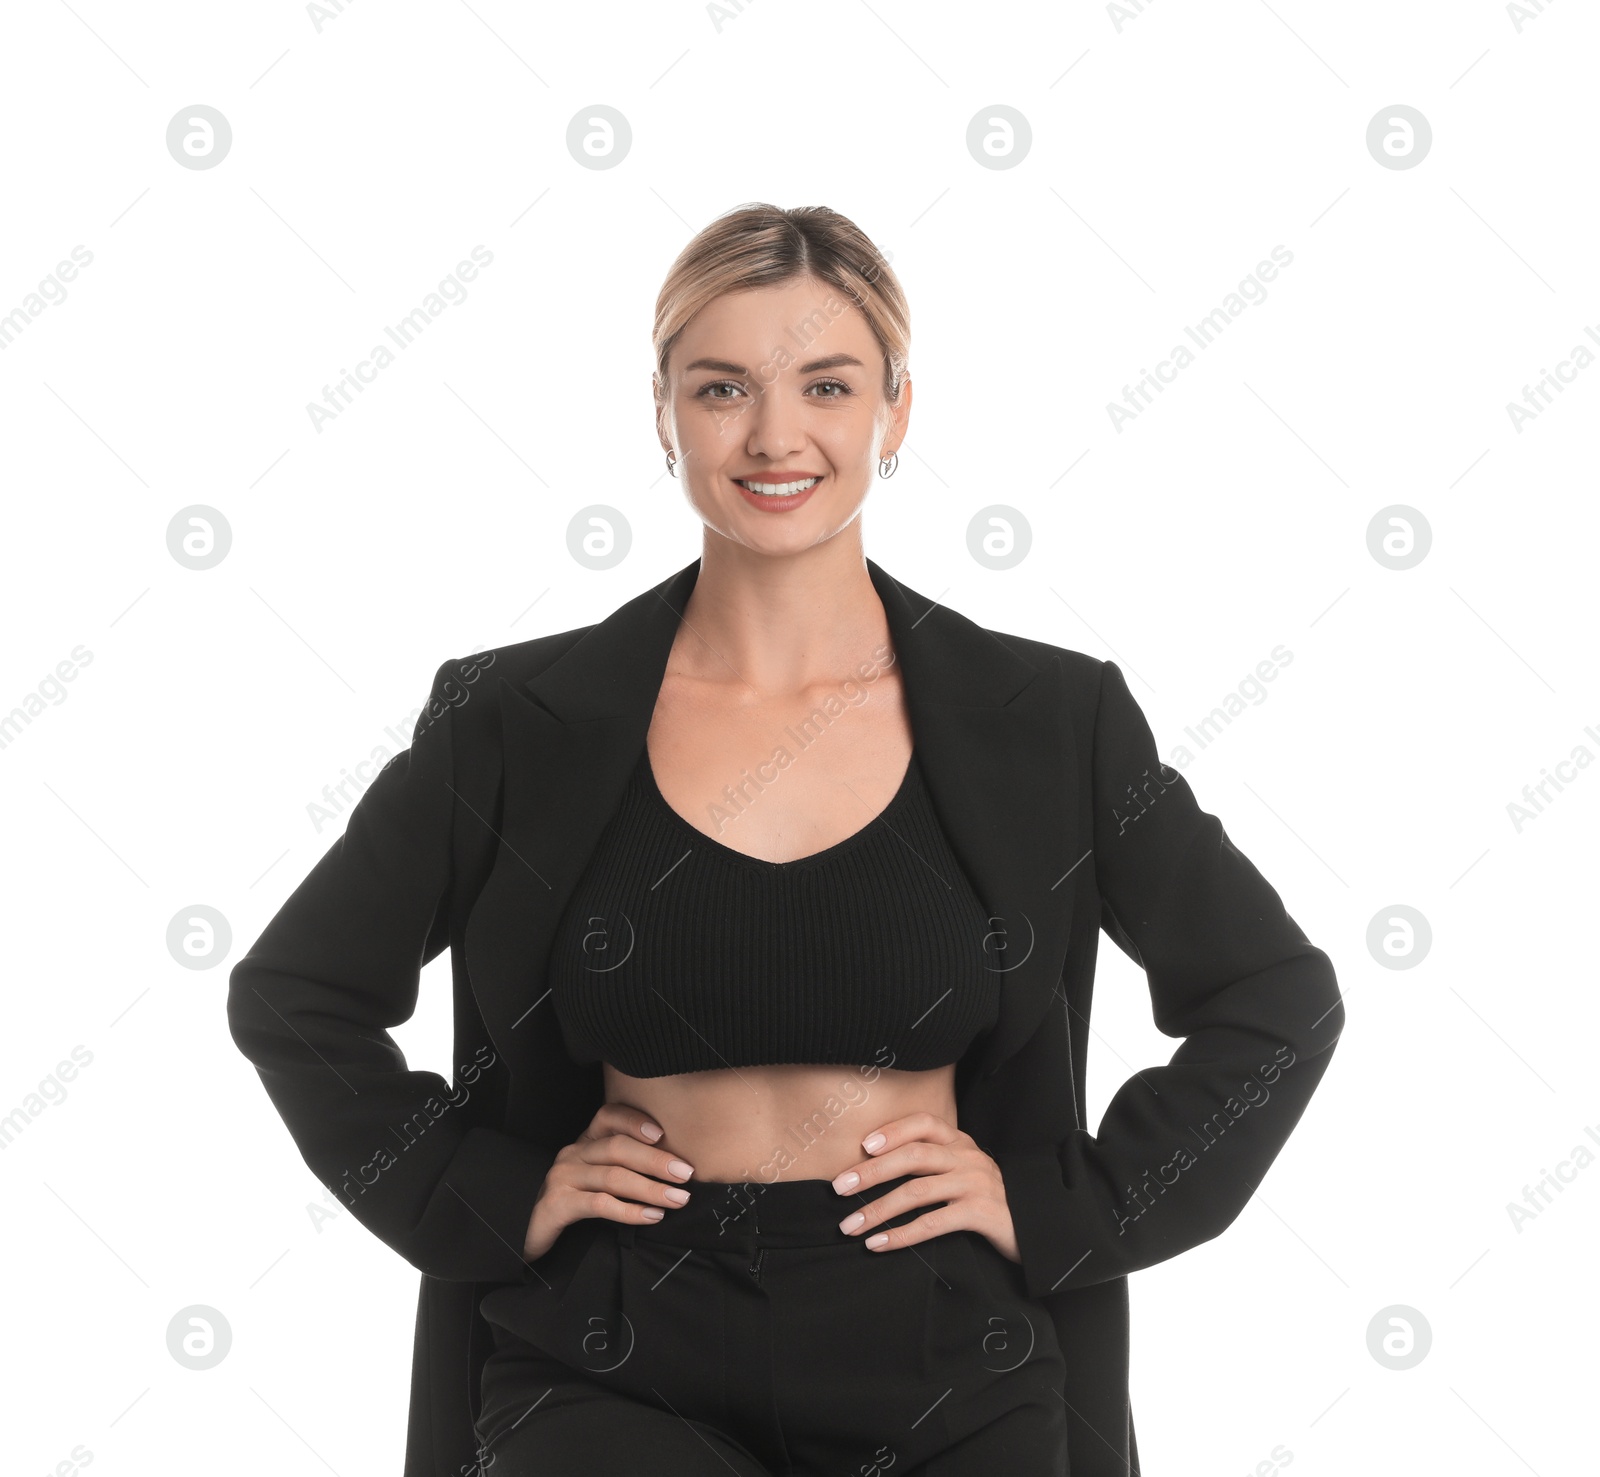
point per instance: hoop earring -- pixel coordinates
(888, 467)
(672, 462)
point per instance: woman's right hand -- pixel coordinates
(602, 1174)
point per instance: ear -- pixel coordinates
(661, 408)
(899, 419)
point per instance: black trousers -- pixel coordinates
(746, 1334)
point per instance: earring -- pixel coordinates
(672, 462)
(888, 467)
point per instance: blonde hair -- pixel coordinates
(762, 245)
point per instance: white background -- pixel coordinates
(1171, 151)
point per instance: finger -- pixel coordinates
(624, 1118)
(618, 1148)
(604, 1207)
(917, 1156)
(923, 1228)
(619, 1193)
(897, 1131)
(872, 1231)
(863, 1219)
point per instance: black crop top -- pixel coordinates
(676, 953)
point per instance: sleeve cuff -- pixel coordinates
(477, 1221)
(1043, 1217)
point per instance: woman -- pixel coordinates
(773, 899)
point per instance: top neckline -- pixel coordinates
(902, 792)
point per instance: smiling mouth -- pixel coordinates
(777, 489)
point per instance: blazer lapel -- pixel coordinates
(993, 737)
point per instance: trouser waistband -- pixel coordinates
(786, 1213)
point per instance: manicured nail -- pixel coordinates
(873, 1142)
(852, 1222)
(654, 1213)
(847, 1182)
(677, 1196)
(679, 1168)
(879, 1240)
(650, 1131)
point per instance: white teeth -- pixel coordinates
(779, 489)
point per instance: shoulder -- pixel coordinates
(1081, 672)
(516, 662)
(467, 688)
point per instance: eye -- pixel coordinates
(838, 388)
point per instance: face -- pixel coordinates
(775, 387)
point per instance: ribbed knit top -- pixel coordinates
(676, 953)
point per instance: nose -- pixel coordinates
(775, 429)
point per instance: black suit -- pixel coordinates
(1046, 777)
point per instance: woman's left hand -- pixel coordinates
(949, 1166)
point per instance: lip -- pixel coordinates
(778, 478)
(785, 504)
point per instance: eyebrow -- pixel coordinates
(723, 366)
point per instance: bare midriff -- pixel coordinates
(792, 1121)
(771, 1123)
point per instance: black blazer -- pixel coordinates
(1044, 772)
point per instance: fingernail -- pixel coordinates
(851, 1222)
(878, 1240)
(650, 1131)
(847, 1182)
(873, 1142)
(677, 1196)
(679, 1168)
(654, 1213)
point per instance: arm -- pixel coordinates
(311, 1005)
(1181, 1147)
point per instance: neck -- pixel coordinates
(780, 623)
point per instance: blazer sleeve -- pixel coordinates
(1182, 1147)
(311, 1005)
